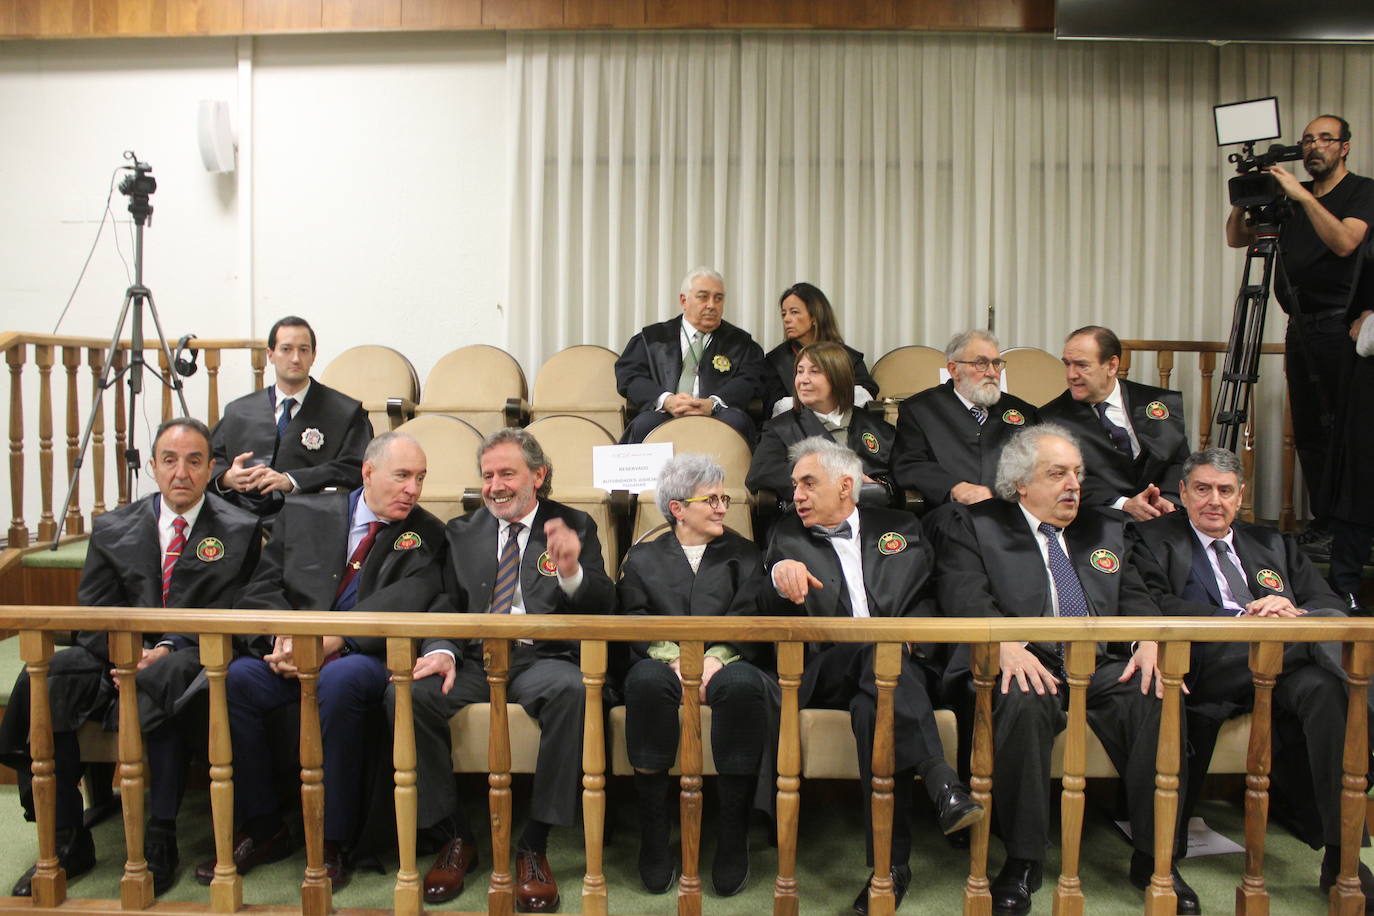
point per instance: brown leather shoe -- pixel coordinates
(535, 889)
(444, 880)
(249, 854)
(336, 865)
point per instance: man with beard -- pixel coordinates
(1320, 259)
(949, 437)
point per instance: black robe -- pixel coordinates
(869, 437)
(781, 380)
(732, 367)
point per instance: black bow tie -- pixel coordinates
(842, 530)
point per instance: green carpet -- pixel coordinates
(71, 555)
(830, 869)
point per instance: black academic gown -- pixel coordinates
(1110, 474)
(781, 380)
(732, 367)
(869, 437)
(322, 447)
(939, 444)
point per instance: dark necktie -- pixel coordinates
(174, 551)
(1072, 601)
(507, 571)
(1235, 579)
(842, 530)
(285, 417)
(347, 595)
(980, 414)
(1120, 438)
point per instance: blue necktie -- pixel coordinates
(979, 413)
(1120, 438)
(1072, 601)
(285, 417)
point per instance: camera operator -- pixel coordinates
(1320, 248)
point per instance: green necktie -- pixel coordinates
(690, 360)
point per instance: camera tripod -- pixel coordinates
(137, 187)
(1240, 370)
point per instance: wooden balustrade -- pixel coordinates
(41, 350)
(36, 625)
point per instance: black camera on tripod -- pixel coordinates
(1253, 188)
(138, 187)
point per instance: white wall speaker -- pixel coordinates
(216, 136)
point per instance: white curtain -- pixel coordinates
(918, 179)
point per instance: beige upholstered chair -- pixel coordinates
(451, 448)
(481, 385)
(382, 378)
(567, 442)
(905, 371)
(1034, 375)
(580, 381)
(705, 436)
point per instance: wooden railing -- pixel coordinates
(37, 624)
(43, 350)
(1208, 351)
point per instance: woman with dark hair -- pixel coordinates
(824, 406)
(807, 318)
(697, 568)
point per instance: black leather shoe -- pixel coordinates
(901, 877)
(956, 809)
(75, 853)
(160, 849)
(1013, 886)
(1331, 870)
(249, 854)
(336, 865)
(1143, 867)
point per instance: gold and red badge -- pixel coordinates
(720, 362)
(407, 541)
(1014, 417)
(209, 550)
(1103, 560)
(870, 442)
(891, 543)
(1157, 410)
(547, 567)
(1269, 579)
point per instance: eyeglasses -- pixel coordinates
(1323, 140)
(982, 363)
(714, 501)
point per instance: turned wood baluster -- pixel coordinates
(316, 891)
(258, 357)
(594, 900)
(166, 392)
(95, 358)
(985, 662)
(1207, 365)
(1287, 517)
(1266, 661)
(49, 879)
(400, 659)
(887, 667)
(136, 886)
(19, 529)
(1160, 899)
(1124, 370)
(689, 762)
(1346, 898)
(226, 888)
(1165, 366)
(1078, 668)
(501, 892)
(47, 525)
(786, 901)
(71, 361)
(212, 363)
(122, 435)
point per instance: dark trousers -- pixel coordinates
(646, 421)
(1024, 728)
(739, 717)
(1321, 347)
(347, 687)
(549, 689)
(1350, 543)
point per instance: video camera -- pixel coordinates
(1253, 188)
(138, 187)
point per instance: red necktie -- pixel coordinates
(174, 550)
(355, 562)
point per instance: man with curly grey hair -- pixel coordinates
(1033, 553)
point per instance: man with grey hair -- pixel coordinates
(1209, 563)
(521, 553)
(694, 366)
(1033, 553)
(834, 559)
(950, 436)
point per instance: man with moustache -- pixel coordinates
(694, 366)
(1210, 564)
(1132, 435)
(521, 553)
(1320, 259)
(834, 559)
(373, 549)
(949, 437)
(1034, 552)
(180, 547)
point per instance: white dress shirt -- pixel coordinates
(850, 555)
(1041, 542)
(1229, 600)
(685, 342)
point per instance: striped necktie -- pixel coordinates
(690, 360)
(174, 550)
(507, 571)
(979, 413)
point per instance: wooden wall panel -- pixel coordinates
(53, 18)
(441, 14)
(936, 14)
(198, 17)
(282, 15)
(1016, 15)
(604, 14)
(746, 13)
(685, 13)
(855, 14)
(522, 14)
(361, 14)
